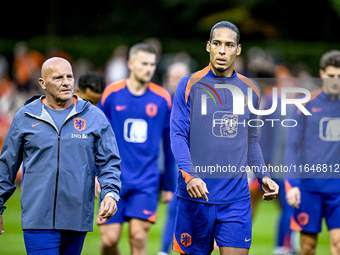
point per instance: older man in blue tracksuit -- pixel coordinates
(59, 138)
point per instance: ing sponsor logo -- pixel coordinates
(329, 129)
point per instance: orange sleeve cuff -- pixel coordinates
(287, 185)
(187, 177)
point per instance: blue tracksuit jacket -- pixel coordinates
(59, 167)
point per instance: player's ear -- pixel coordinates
(42, 83)
(130, 64)
(208, 46)
(239, 48)
(321, 73)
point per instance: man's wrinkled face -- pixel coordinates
(57, 80)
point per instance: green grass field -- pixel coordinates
(12, 243)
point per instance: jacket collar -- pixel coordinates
(35, 106)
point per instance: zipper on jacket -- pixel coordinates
(56, 183)
(72, 113)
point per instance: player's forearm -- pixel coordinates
(255, 157)
(181, 152)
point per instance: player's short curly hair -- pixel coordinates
(93, 81)
(225, 24)
(330, 58)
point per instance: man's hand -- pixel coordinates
(108, 207)
(270, 188)
(167, 196)
(97, 188)
(197, 188)
(293, 197)
(1, 226)
(100, 220)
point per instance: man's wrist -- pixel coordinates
(111, 194)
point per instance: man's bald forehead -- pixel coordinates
(50, 63)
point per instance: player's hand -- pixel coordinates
(293, 197)
(97, 188)
(167, 196)
(270, 188)
(108, 207)
(197, 188)
(1, 226)
(101, 220)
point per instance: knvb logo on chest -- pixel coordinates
(79, 124)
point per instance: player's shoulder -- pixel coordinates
(113, 88)
(314, 95)
(161, 92)
(183, 82)
(251, 83)
(312, 102)
(188, 81)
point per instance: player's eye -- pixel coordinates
(230, 45)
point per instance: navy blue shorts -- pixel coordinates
(53, 242)
(136, 203)
(313, 207)
(198, 224)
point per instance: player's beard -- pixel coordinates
(143, 79)
(221, 69)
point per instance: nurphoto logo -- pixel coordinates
(239, 100)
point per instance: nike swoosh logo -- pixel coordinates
(247, 240)
(314, 109)
(33, 125)
(146, 212)
(120, 107)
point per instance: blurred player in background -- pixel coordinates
(139, 112)
(174, 73)
(91, 87)
(215, 208)
(59, 138)
(315, 144)
(272, 142)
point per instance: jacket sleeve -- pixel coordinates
(294, 141)
(169, 161)
(108, 161)
(180, 130)
(10, 161)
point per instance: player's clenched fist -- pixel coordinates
(108, 207)
(197, 188)
(293, 197)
